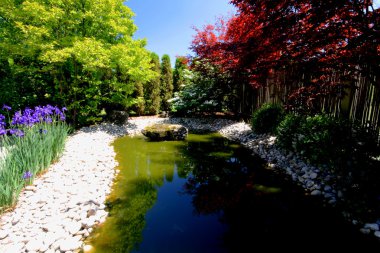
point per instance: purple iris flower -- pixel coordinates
(43, 131)
(2, 121)
(27, 175)
(2, 125)
(7, 107)
(30, 117)
(16, 132)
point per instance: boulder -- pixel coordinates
(118, 117)
(167, 132)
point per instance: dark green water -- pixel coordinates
(208, 194)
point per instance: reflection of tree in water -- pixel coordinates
(122, 231)
(259, 208)
(144, 167)
(217, 178)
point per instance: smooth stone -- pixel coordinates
(313, 175)
(332, 201)
(31, 188)
(372, 226)
(365, 231)
(87, 248)
(44, 248)
(69, 244)
(14, 248)
(309, 184)
(315, 193)
(15, 221)
(73, 227)
(89, 222)
(91, 212)
(34, 245)
(3, 234)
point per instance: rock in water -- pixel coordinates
(168, 132)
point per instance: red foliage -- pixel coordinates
(318, 37)
(184, 60)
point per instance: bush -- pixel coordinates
(287, 131)
(320, 138)
(323, 139)
(267, 118)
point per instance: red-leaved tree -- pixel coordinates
(326, 42)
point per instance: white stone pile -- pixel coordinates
(59, 210)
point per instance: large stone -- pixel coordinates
(118, 117)
(168, 132)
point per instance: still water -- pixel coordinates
(207, 194)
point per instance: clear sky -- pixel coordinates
(167, 24)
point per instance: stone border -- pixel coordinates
(315, 181)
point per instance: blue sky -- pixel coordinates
(167, 24)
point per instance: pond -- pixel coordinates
(208, 194)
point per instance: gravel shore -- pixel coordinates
(59, 210)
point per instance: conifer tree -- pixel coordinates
(178, 73)
(138, 95)
(166, 82)
(152, 89)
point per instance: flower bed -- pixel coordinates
(30, 141)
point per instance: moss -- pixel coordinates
(161, 127)
(165, 132)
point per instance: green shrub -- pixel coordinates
(323, 139)
(267, 118)
(287, 131)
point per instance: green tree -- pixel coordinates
(78, 53)
(178, 73)
(153, 87)
(205, 89)
(139, 101)
(166, 82)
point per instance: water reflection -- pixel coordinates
(209, 195)
(144, 167)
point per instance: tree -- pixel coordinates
(166, 82)
(153, 87)
(178, 73)
(139, 101)
(77, 53)
(205, 89)
(316, 38)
